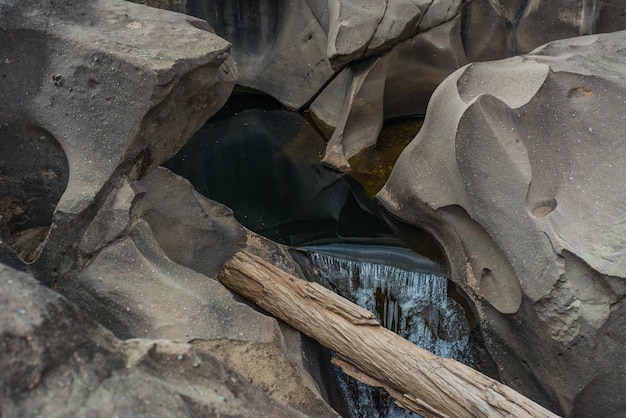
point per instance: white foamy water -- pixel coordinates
(412, 303)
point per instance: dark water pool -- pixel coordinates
(264, 162)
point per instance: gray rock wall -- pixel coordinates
(94, 95)
(102, 93)
(56, 361)
(518, 171)
(299, 51)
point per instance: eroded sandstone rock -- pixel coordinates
(93, 96)
(280, 47)
(303, 52)
(518, 171)
(449, 35)
(396, 84)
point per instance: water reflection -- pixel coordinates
(264, 162)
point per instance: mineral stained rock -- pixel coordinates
(518, 172)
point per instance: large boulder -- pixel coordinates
(448, 36)
(56, 361)
(518, 172)
(94, 95)
(280, 46)
(154, 250)
(91, 91)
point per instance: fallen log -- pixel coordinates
(417, 379)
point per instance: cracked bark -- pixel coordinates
(417, 379)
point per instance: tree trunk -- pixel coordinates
(417, 379)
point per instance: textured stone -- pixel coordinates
(96, 94)
(259, 362)
(179, 6)
(359, 124)
(393, 85)
(399, 21)
(518, 173)
(351, 27)
(58, 362)
(267, 37)
(96, 87)
(152, 276)
(332, 39)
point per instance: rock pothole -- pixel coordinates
(544, 208)
(33, 175)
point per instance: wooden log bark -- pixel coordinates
(417, 379)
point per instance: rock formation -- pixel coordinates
(92, 91)
(518, 172)
(56, 361)
(355, 59)
(93, 97)
(155, 280)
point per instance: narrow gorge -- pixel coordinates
(455, 167)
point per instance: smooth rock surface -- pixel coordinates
(96, 94)
(518, 172)
(295, 51)
(279, 47)
(450, 35)
(155, 279)
(396, 84)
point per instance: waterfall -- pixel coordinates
(410, 300)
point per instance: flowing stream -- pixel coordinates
(264, 162)
(408, 294)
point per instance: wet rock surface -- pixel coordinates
(518, 163)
